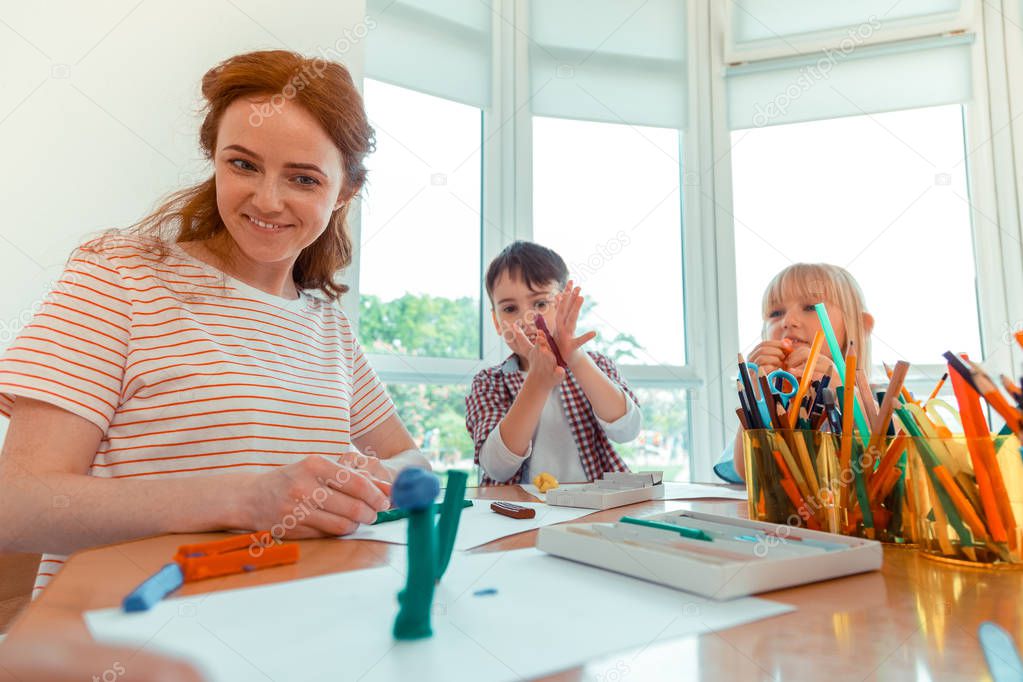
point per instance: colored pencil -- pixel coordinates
(804, 381)
(937, 389)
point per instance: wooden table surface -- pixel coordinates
(916, 619)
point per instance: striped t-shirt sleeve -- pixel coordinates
(371, 404)
(73, 352)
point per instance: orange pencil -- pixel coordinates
(1019, 338)
(967, 399)
(804, 381)
(890, 480)
(789, 486)
(891, 456)
(987, 448)
(994, 397)
(966, 510)
(937, 389)
(1012, 388)
(845, 448)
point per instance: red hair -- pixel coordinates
(323, 88)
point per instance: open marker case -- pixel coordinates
(769, 557)
(613, 489)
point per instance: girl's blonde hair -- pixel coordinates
(823, 283)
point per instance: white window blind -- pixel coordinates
(787, 21)
(615, 61)
(848, 82)
(440, 47)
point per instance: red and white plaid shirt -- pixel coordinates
(493, 392)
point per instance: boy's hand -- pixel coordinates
(543, 367)
(797, 363)
(770, 355)
(566, 315)
(516, 338)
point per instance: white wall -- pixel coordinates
(97, 113)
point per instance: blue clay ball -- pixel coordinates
(414, 489)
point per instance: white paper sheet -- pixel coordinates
(478, 525)
(548, 614)
(673, 490)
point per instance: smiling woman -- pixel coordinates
(195, 372)
(288, 138)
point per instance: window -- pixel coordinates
(824, 132)
(428, 95)
(609, 99)
(884, 196)
(664, 444)
(606, 197)
(421, 204)
(435, 416)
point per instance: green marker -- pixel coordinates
(930, 460)
(839, 360)
(396, 514)
(691, 533)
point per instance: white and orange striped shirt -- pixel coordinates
(188, 371)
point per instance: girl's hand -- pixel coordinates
(374, 466)
(543, 367)
(566, 315)
(769, 355)
(797, 363)
(314, 497)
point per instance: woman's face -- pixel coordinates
(278, 182)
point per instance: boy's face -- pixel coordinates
(515, 304)
(797, 320)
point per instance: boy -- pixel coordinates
(528, 414)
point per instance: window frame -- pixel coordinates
(994, 174)
(996, 266)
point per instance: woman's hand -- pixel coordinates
(374, 466)
(314, 497)
(566, 316)
(770, 355)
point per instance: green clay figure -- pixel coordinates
(414, 491)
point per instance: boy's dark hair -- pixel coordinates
(534, 264)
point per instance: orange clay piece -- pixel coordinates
(234, 555)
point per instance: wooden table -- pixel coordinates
(915, 619)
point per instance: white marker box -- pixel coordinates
(769, 556)
(615, 489)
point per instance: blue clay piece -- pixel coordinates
(414, 489)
